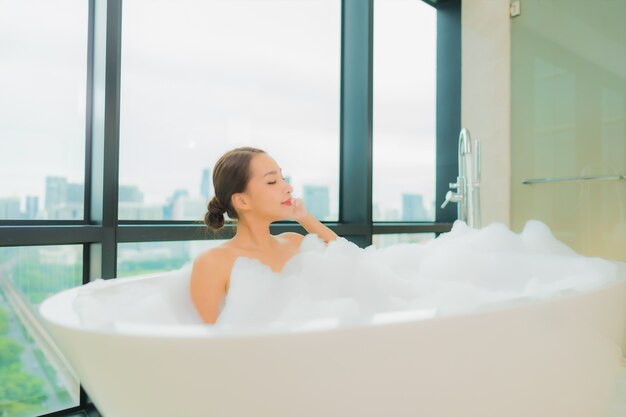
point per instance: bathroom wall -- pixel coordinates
(485, 98)
(546, 93)
(568, 114)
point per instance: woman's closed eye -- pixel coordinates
(274, 182)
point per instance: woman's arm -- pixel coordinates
(208, 285)
(310, 223)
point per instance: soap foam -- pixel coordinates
(461, 271)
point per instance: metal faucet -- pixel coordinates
(468, 182)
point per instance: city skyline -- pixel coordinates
(63, 200)
(279, 94)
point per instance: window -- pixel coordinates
(381, 241)
(43, 69)
(225, 74)
(34, 377)
(404, 111)
(150, 257)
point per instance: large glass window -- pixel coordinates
(43, 68)
(404, 111)
(384, 240)
(198, 77)
(149, 257)
(35, 377)
(261, 73)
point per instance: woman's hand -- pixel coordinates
(309, 223)
(298, 210)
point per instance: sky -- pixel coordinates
(201, 77)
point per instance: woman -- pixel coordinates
(249, 187)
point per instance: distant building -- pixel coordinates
(67, 212)
(316, 200)
(376, 215)
(10, 208)
(139, 211)
(391, 215)
(168, 209)
(64, 201)
(130, 194)
(75, 206)
(131, 207)
(56, 192)
(32, 207)
(206, 184)
(413, 208)
(75, 194)
(189, 208)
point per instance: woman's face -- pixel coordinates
(267, 194)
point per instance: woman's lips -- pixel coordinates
(286, 202)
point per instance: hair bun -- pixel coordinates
(214, 217)
(216, 207)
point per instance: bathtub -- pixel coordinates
(554, 358)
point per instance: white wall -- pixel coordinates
(485, 99)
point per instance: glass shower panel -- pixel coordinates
(568, 93)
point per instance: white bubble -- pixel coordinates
(461, 271)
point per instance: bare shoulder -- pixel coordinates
(214, 264)
(292, 237)
(210, 278)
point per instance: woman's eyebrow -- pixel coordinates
(272, 173)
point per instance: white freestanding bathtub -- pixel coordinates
(554, 358)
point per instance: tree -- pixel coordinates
(21, 394)
(10, 352)
(4, 322)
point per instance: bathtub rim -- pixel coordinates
(150, 330)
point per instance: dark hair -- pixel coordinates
(230, 175)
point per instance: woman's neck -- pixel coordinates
(254, 236)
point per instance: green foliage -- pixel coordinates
(5, 255)
(10, 352)
(38, 281)
(4, 322)
(19, 387)
(148, 266)
(21, 394)
(16, 409)
(51, 376)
